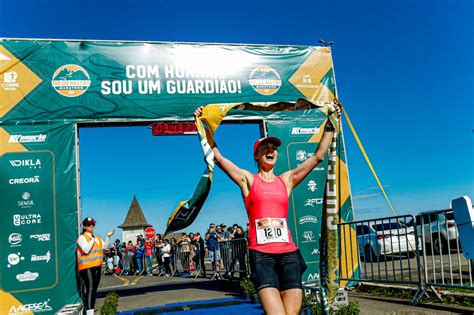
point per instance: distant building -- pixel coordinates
(135, 223)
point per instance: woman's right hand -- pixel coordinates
(198, 111)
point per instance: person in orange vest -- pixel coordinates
(89, 256)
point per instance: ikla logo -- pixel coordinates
(71, 80)
(29, 163)
(31, 308)
(265, 80)
(14, 259)
(27, 276)
(15, 239)
(26, 201)
(298, 131)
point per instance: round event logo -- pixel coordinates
(71, 80)
(265, 80)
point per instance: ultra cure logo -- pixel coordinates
(265, 80)
(71, 80)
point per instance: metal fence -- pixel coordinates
(443, 262)
(422, 251)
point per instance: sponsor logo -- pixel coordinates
(15, 239)
(26, 201)
(14, 259)
(26, 219)
(308, 219)
(313, 276)
(71, 80)
(308, 237)
(46, 257)
(27, 276)
(312, 185)
(30, 163)
(31, 308)
(297, 131)
(27, 138)
(24, 180)
(9, 81)
(315, 251)
(307, 79)
(46, 237)
(313, 201)
(265, 80)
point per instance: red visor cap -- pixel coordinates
(264, 140)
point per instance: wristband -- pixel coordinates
(329, 127)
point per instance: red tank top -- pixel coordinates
(267, 209)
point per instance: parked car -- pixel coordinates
(384, 239)
(438, 228)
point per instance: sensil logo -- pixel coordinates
(71, 80)
(265, 80)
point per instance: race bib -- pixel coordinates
(271, 230)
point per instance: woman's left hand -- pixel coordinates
(110, 233)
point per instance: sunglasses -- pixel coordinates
(89, 224)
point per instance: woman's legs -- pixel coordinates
(167, 265)
(150, 267)
(271, 301)
(140, 264)
(292, 299)
(91, 279)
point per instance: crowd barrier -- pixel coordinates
(443, 262)
(230, 258)
(422, 251)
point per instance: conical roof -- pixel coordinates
(135, 216)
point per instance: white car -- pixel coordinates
(385, 239)
(438, 228)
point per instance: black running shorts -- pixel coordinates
(280, 271)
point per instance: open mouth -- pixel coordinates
(269, 157)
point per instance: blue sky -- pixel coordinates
(404, 71)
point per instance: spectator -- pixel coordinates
(117, 255)
(124, 258)
(166, 257)
(130, 257)
(224, 248)
(139, 250)
(213, 251)
(191, 253)
(239, 250)
(149, 244)
(173, 253)
(200, 253)
(158, 248)
(183, 244)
